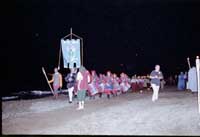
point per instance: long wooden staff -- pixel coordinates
(198, 79)
(188, 60)
(59, 58)
(47, 80)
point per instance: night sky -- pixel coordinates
(119, 35)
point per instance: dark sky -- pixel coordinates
(135, 33)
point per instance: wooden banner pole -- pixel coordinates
(47, 80)
(81, 51)
(59, 58)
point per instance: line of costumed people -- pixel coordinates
(85, 83)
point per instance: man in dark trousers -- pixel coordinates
(71, 81)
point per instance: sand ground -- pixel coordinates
(175, 113)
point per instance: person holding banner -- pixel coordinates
(83, 78)
(57, 82)
(71, 81)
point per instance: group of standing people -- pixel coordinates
(74, 80)
(109, 84)
(182, 81)
(188, 81)
(78, 81)
(82, 82)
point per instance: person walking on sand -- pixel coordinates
(155, 76)
(71, 81)
(57, 82)
(83, 78)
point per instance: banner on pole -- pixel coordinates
(71, 52)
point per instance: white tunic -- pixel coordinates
(192, 79)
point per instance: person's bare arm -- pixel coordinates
(50, 81)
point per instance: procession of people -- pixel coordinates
(84, 83)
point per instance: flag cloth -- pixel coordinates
(71, 52)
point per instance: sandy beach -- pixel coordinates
(175, 113)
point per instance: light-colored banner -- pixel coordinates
(71, 52)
